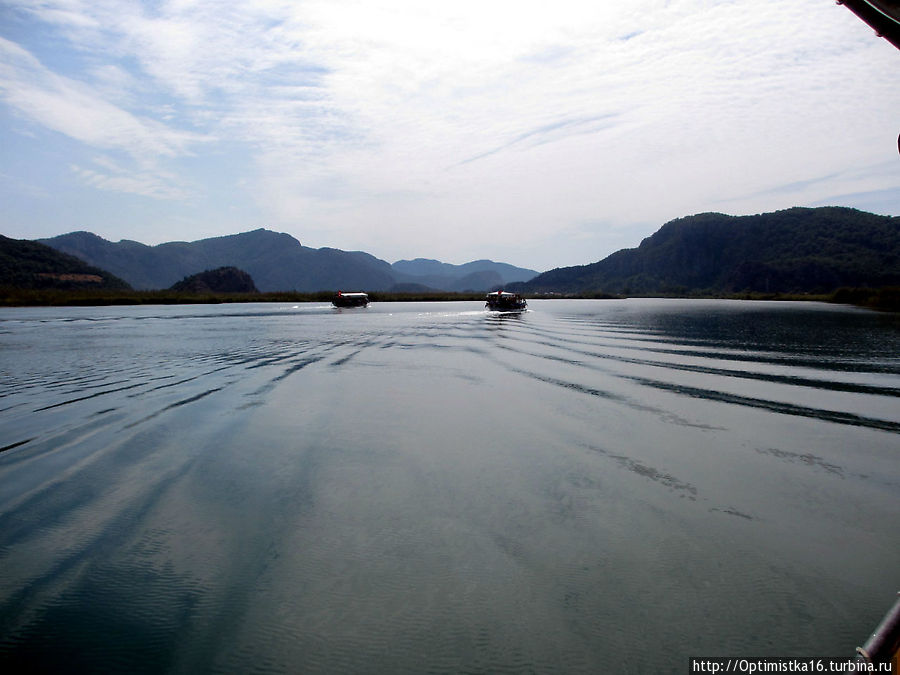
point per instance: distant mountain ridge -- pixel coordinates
(475, 275)
(276, 262)
(798, 250)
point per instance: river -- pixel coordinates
(589, 486)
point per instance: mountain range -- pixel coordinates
(278, 262)
(798, 250)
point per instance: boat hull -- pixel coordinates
(350, 300)
(506, 307)
(501, 301)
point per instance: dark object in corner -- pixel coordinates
(882, 15)
(884, 644)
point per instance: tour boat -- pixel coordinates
(350, 299)
(502, 301)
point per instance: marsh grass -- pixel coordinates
(885, 299)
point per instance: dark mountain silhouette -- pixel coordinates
(220, 280)
(277, 262)
(477, 275)
(31, 265)
(799, 250)
(477, 281)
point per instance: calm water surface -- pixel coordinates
(591, 486)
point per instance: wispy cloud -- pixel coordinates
(107, 174)
(77, 110)
(397, 127)
(548, 133)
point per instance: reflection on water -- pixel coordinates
(589, 486)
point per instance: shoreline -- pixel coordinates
(882, 299)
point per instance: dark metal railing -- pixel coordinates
(884, 643)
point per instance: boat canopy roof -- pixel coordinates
(882, 15)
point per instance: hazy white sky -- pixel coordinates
(543, 134)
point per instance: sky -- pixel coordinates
(543, 134)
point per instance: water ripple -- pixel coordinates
(428, 488)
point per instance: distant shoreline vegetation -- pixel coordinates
(884, 299)
(19, 297)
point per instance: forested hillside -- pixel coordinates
(219, 280)
(798, 250)
(30, 265)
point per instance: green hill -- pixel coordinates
(221, 280)
(799, 250)
(31, 265)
